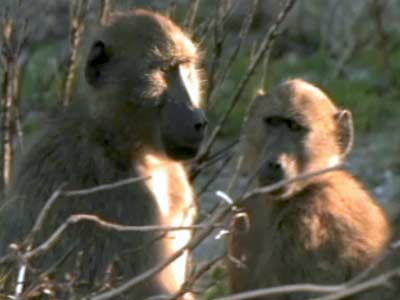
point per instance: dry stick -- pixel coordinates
(171, 10)
(216, 174)
(219, 214)
(14, 38)
(285, 289)
(42, 216)
(336, 291)
(43, 213)
(203, 29)
(74, 219)
(78, 12)
(362, 287)
(191, 16)
(197, 239)
(242, 35)
(246, 117)
(105, 8)
(282, 183)
(271, 35)
(219, 39)
(193, 279)
(211, 160)
(353, 43)
(104, 187)
(361, 276)
(58, 192)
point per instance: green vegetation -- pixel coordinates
(366, 86)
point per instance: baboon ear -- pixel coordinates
(98, 57)
(345, 127)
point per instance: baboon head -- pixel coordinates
(292, 129)
(142, 69)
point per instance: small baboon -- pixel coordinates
(322, 230)
(139, 115)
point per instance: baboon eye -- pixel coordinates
(170, 67)
(273, 121)
(293, 126)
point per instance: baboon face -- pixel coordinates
(294, 129)
(141, 62)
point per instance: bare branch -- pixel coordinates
(335, 291)
(58, 192)
(191, 16)
(282, 183)
(214, 219)
(363, 286)
(104, 187)
(44, 213)
(78, 12)
(13, 36)
(193, 279)
(284, 289)
(265, 45)
(227, 67)
(197, 239)
(105, 8)
(74, 219)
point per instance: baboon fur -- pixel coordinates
(323, 230)
(139, 115)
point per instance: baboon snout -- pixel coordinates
(199, 122)
(183, 130)
(271, 172)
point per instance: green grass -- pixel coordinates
(365, 89)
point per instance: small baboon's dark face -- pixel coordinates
(142, 63)
(293, 129)
(283, 149)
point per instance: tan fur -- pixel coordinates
(138, 113)
(324, 230)
(174, 197)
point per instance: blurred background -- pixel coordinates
(351, 49)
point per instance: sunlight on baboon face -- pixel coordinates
(291, 130)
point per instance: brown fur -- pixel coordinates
(324, 230)
(139, 116)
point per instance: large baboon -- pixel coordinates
(140, 115)
(325, 229)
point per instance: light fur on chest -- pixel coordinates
(174, 197)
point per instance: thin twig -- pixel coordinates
(222, 11)
(363, 286)
(216, 174)
(78, 12)
(273, 32)
(282, 183)
(104, 187)
(74, 219)
(105, 8)
(14, 36)
(225, 70)
(284, 289)
(196, 169)
(58, 192)
(214, 219)
(191, 16)
(197, 239)
(193, 279)
(44, 213)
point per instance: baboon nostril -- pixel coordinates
(200, 125)
(275, 166)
